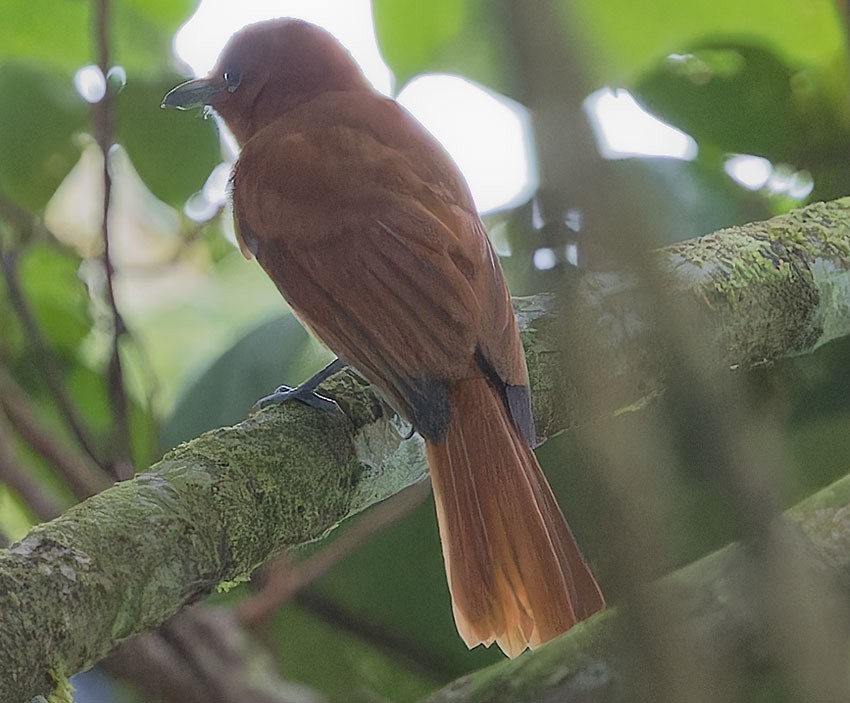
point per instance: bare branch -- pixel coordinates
(103, 117)
(284, 577)
(13, 474)
(48, 362)
(83, 476)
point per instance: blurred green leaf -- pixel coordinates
(143, 32)
(276, 352)
(819, 452)
(620, 39)
(57, 297)
(689, 198)
(743, 99)
(396, 582)
(465, 37)
(40, 113)
(11, 334)
(172, 152)
(728, 95)
(818, 389)
(629, 38)
(15, 519)
(436, 36)
(88, 389)
(342, 666)
(46, 31)
(416, 28)
(59, 33)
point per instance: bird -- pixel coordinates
(370, 232)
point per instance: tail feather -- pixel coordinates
(516, 574)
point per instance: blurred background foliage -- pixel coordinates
(202, 333)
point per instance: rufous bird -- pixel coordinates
(370, 232)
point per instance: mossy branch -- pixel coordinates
(217, 507)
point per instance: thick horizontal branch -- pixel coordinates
(216, 507)
(752, 295)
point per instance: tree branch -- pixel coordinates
(14, 474)
(217, 507)
(53, 375)
(707, 604)
(103, 127)
(78, 472)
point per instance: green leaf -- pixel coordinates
(730, 96)
(40, 114)
(630, 37)
(275, 352)
(452, 36)
(143, 32)
(88, 388)
(46, 31)
(15, 519)
(60, 33)
(620, 39)
(339, 664)
(735, 98)
(396, 582)
(57, 297)
(172, 151)
(411, 33)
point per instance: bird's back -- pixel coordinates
(370, 232)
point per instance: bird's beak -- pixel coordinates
(192, 94)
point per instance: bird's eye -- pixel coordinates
(233, 77)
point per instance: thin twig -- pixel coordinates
(103, 127)
(19, 480)
(48, 362)
(415, 655)
(285, 578)
(202, 655)
(82, 476)
(16, 216)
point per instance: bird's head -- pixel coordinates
(265, 70)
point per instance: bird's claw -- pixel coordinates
(404, 430)
(306, 392)
(284, 394)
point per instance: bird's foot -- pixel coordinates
(283, 394)
(306, 392)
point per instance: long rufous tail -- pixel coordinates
(516, 574)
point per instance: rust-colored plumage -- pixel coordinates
(370, 233)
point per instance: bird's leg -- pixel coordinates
(306, 392)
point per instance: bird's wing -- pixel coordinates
(395, 278)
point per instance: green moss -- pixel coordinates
(63, 692)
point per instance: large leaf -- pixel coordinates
(621, 39)
(730, 96)
(396, 582)
(47, 32)
(172, 152)
(448, 35)
(631, 37)
(744, 99)
(60, 33)
(345, 668)
(773, 80)
(276, 352)
(143, 33)
(57, 297)
(40, 114)
(40, 110)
